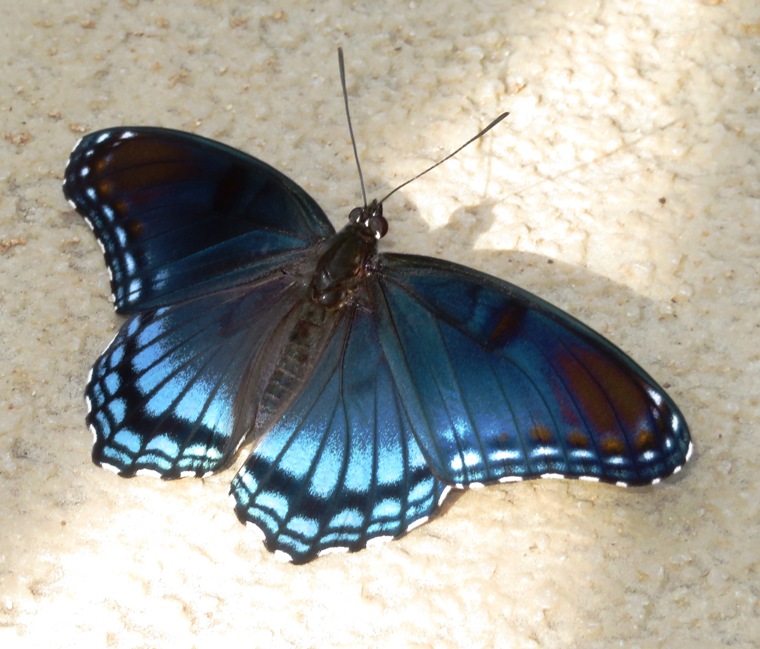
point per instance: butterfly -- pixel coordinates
(369, 384)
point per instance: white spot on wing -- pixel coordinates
(89, 378)
(282, 556)
(336, 549)
(378, 540)
(252, 527)
(511, 478)
(446, 491)
(150, 472)
(417, 523)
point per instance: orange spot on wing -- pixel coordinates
(541, 434)
(578, 439)
(135, 228)
(645, 440)
(105, 189)
(608, 396)
(508, 326)
(611, 446)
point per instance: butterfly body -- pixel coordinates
(336, 282)
(369, 383)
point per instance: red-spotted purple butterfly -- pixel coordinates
(370, 383)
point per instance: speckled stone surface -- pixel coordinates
(631, 159)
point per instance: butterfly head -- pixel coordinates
(370, 218)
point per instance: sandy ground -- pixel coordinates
(631, 160)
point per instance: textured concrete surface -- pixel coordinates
(630, 159)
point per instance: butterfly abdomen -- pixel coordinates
(300, 351)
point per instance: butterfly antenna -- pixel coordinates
(451, 155)
(348, 117)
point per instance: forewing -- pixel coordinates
(341, 467)
(500, 385)
(164, 396)
(180, 216)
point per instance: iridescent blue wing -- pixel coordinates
(499, 385)
(180, 216)
(342, 466)
(166, 397)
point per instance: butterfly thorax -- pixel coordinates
(347, 260)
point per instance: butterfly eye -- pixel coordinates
(378, 225)
(354, 215)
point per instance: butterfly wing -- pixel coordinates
(342, 466)
(180, 216)
(499, 385)
(165, 396)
